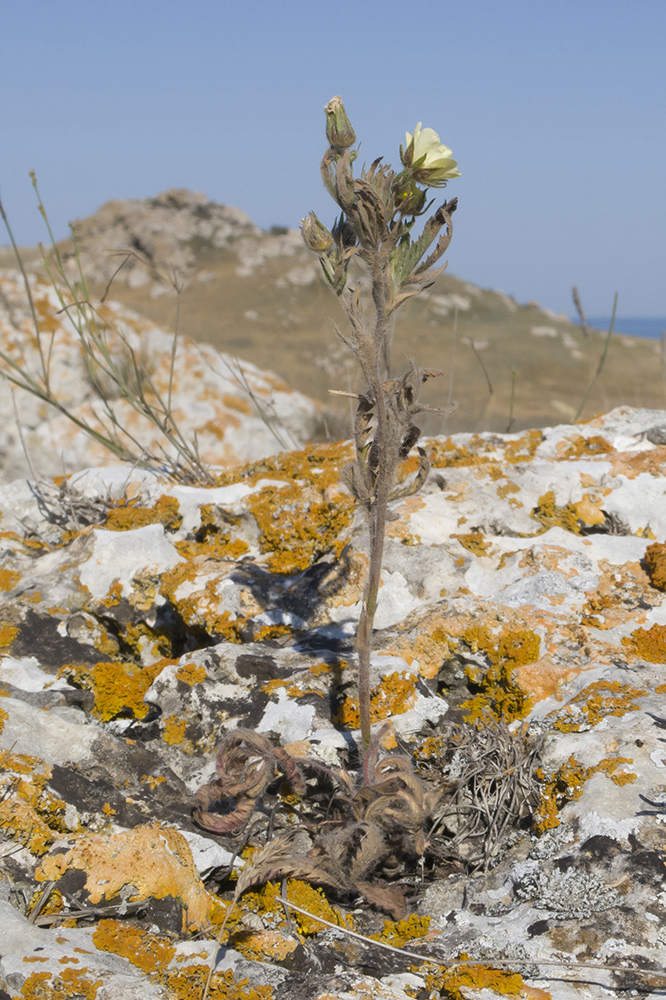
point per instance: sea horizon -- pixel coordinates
(650, 327)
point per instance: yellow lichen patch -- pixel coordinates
(651, 462)
(156, 861)
(589, 509)
(660, 689)
(265, 903)
(544, 677)
(648, 643)
(129, 515)
(452, 982)
(69, 983)
(191, 674)
(7, 634)
(655, 562)
(153, 780)
(551, 516)
(189, 984)
(475, 542)
(174, 730)
(397, 933)
(318, 464)
(8, 579)
(566, 784)
(29, 812)
(444, 454)
(197, 600)
(213, 539)
(595, 702)
(396, 693)
(238, 403)
(299, 524)
(523, 449)
(506, 489)
(316, 680)
(148, 951)
(582, 447)
(500, 694)
(118, 687)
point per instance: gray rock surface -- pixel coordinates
(524, 594)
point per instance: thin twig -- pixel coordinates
(453, 963)
(513, 393)
(602, 361)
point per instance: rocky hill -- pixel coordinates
(259, 295)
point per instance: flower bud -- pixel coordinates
(409, 198)
(315, 234)
(339, 131)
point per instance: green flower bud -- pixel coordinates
(339, 131)
(315, 234)
(409, 198)
(430, 159)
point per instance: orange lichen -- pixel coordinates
(265, 902)
(475, 542)
(7, 634)
(174, 730)
(595, 702)
(147, 951)
(8, 579)
(189, 983)
(212, 539)
(396, 693)
(655, 563)
(648, 643)
(582, 447)
(118, 687)
(318, 465)
(299, 524)
(499, 692)
(452, 982)
(191, 674)
(398, 933)
(129, 515)
(566, 784)
(69, 983)
(153, 780)
(551, 516)
(523, 449)
(155, 861)
(444, 454)
(29, 812)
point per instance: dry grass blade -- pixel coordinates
(496, 790)
(453, 963)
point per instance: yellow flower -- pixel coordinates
(429, 158)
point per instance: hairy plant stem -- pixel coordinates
(378, 509)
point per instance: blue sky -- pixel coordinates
(554, 109)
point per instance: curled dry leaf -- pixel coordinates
(246, 764)
(382, 818)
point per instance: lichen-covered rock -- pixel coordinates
(229, 405)
(522, 585)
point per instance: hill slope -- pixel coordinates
(259, 295)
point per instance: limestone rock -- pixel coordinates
(237, 412)
(516, 588)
